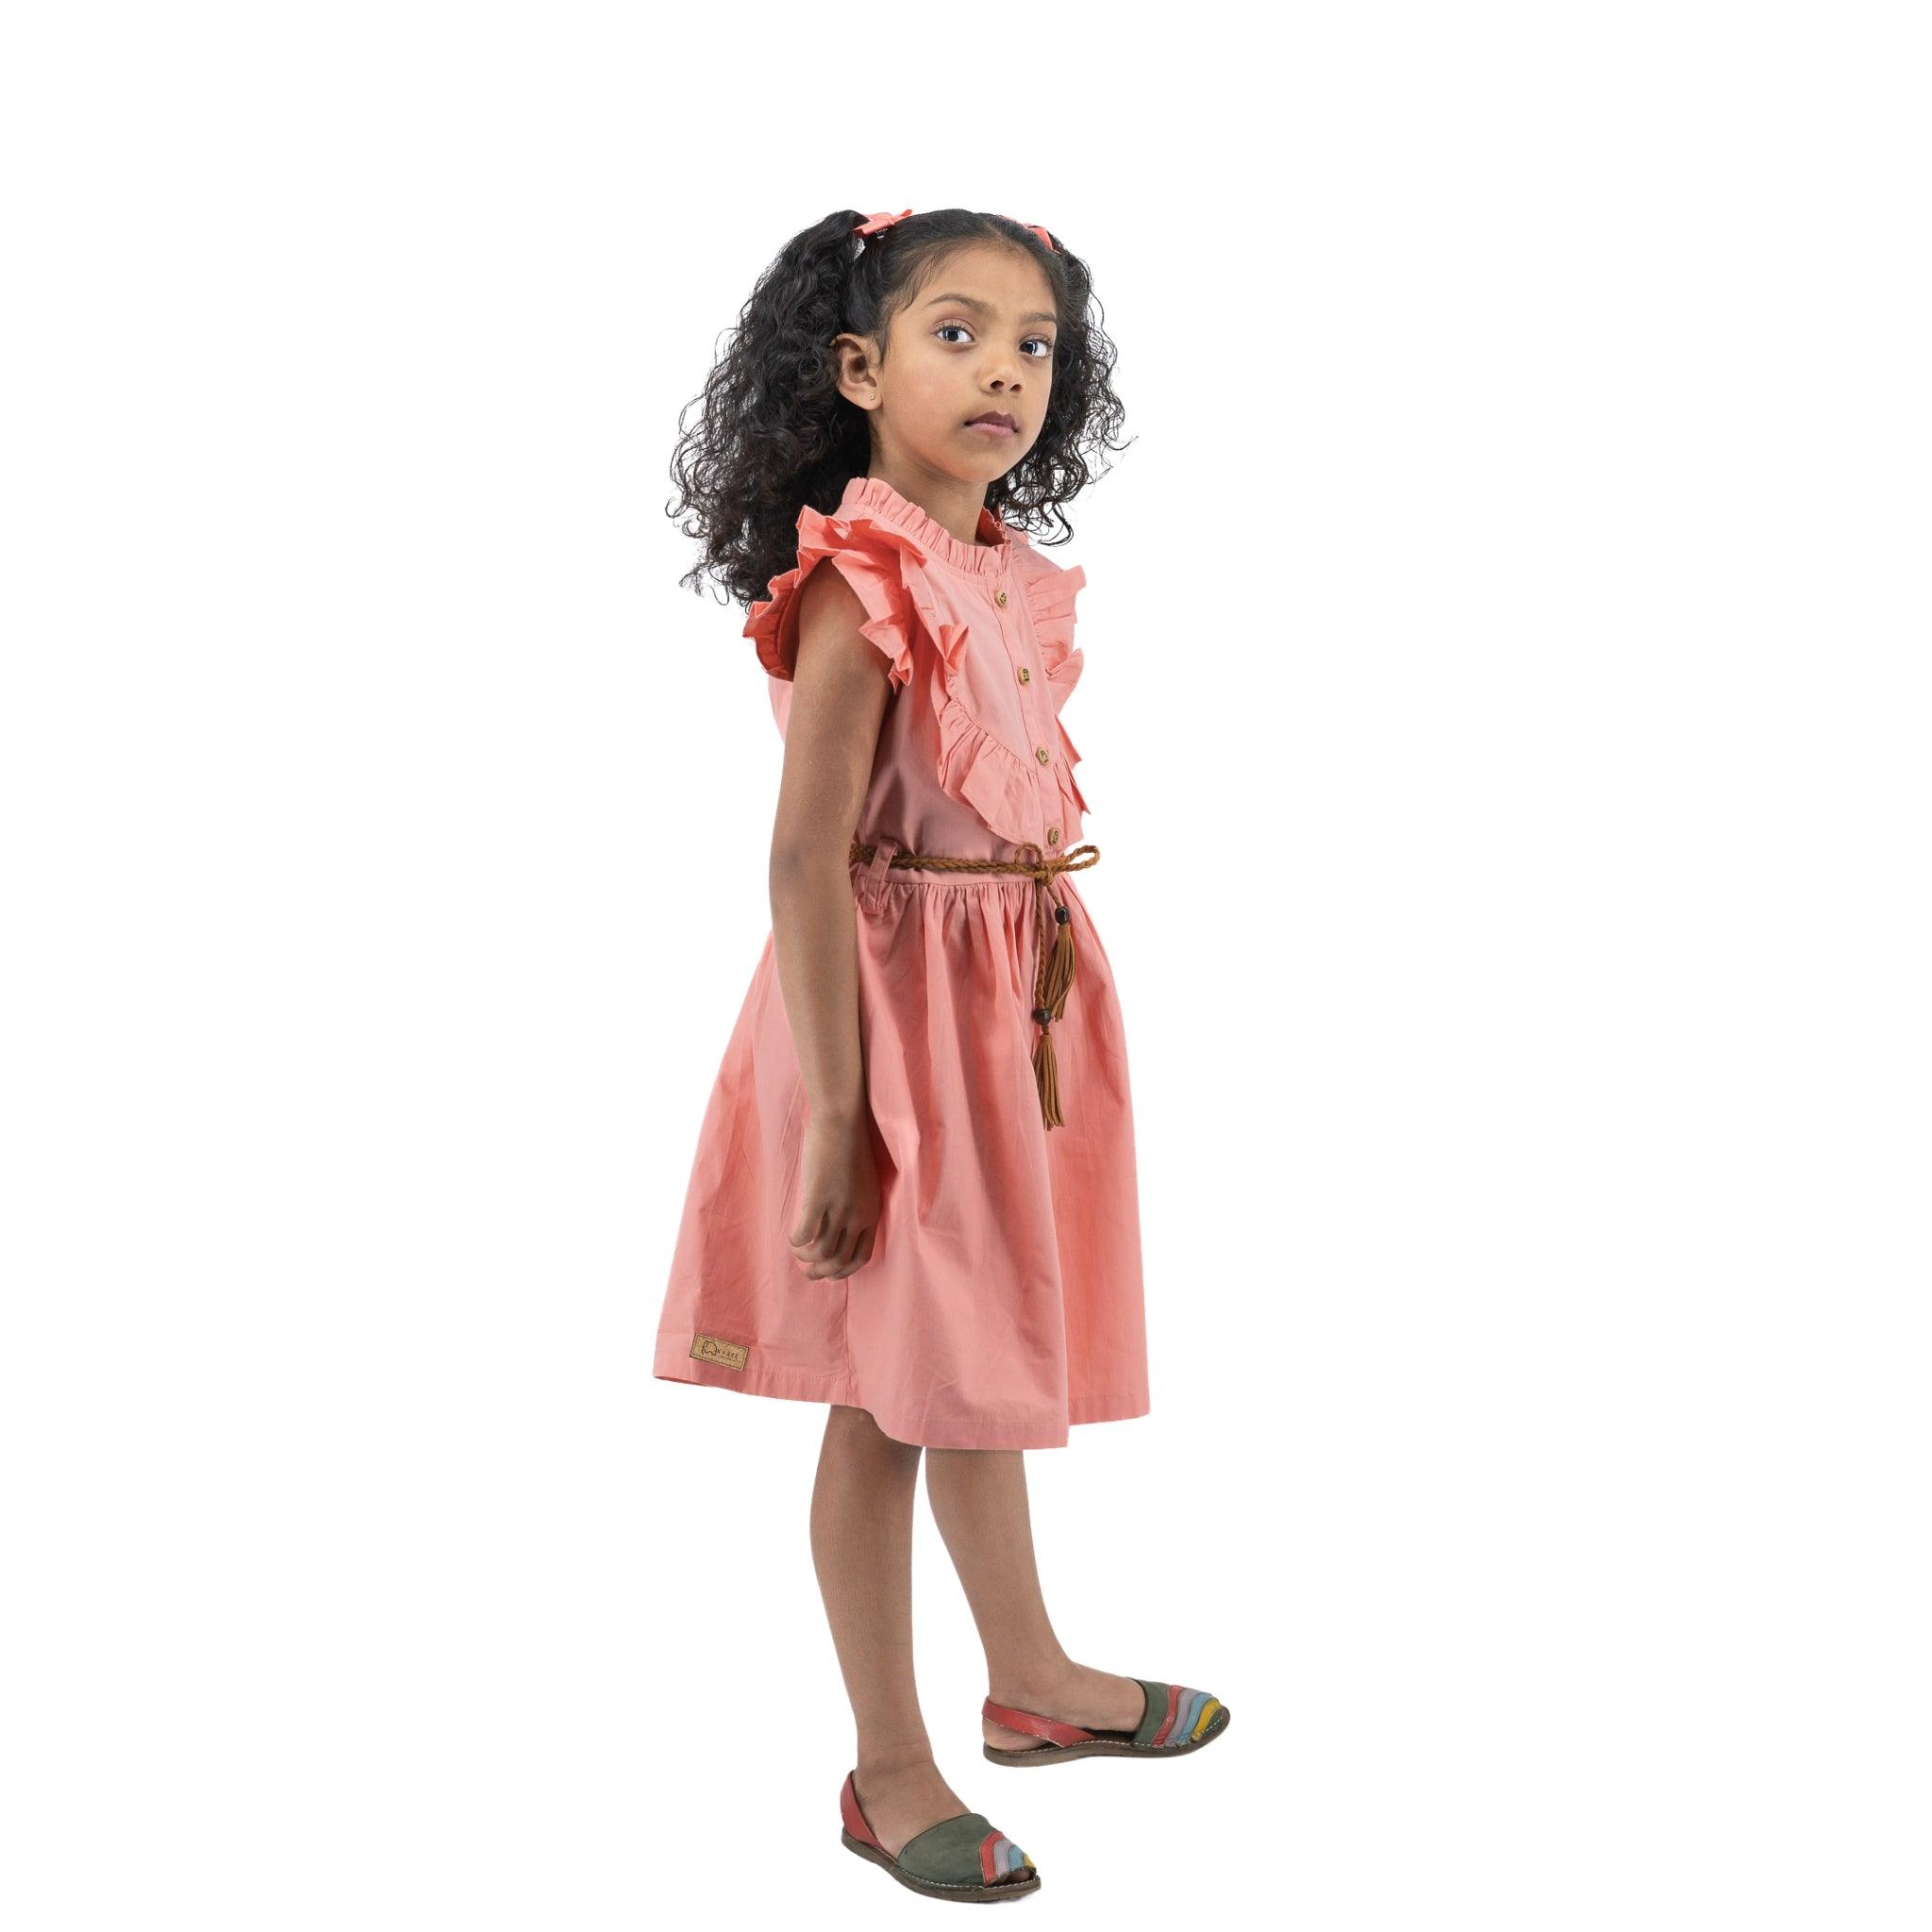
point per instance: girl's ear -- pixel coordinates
(856, 359)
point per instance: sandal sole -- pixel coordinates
(961, 1894)
(1108, 1747)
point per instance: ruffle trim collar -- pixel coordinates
(872, 499)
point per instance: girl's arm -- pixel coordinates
(838, 694)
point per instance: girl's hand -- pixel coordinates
(839, 1199)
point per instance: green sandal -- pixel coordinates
(963, 1857)
(1176, 1721)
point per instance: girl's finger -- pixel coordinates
(821, 1259)
(861, 1253)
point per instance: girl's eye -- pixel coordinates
(1046, 342)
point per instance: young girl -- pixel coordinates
(914, 1190)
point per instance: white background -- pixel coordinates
(1504, 720)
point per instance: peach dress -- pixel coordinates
(1003, 1297)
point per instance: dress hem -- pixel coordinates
(793, 1385)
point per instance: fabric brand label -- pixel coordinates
(708, 1348)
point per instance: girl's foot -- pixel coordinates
(902, 1800)
(1095, 1700)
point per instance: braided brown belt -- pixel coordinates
(1054, 975)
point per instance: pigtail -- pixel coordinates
(774, 433)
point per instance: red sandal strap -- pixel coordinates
(854, 1818)
(1029, 1720)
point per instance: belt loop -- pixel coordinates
(880, 863)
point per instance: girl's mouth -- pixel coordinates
(994, 426)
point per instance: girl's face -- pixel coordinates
(978, 340)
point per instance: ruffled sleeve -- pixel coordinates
(866, 562)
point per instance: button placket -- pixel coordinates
(1030, 708)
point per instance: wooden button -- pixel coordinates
(1052, 835)
(1041, 752)
(1026, 675)
(999, 597)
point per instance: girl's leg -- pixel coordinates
(978, 1500)
(862, 1546)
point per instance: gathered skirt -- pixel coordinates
(1001, 1300)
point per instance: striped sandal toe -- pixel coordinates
(963, 1857)
(1178, 1720)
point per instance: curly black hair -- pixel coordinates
(776, 434)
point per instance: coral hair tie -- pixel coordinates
(875, 225)
(1034, 228)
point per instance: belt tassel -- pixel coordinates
(1056, 980)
